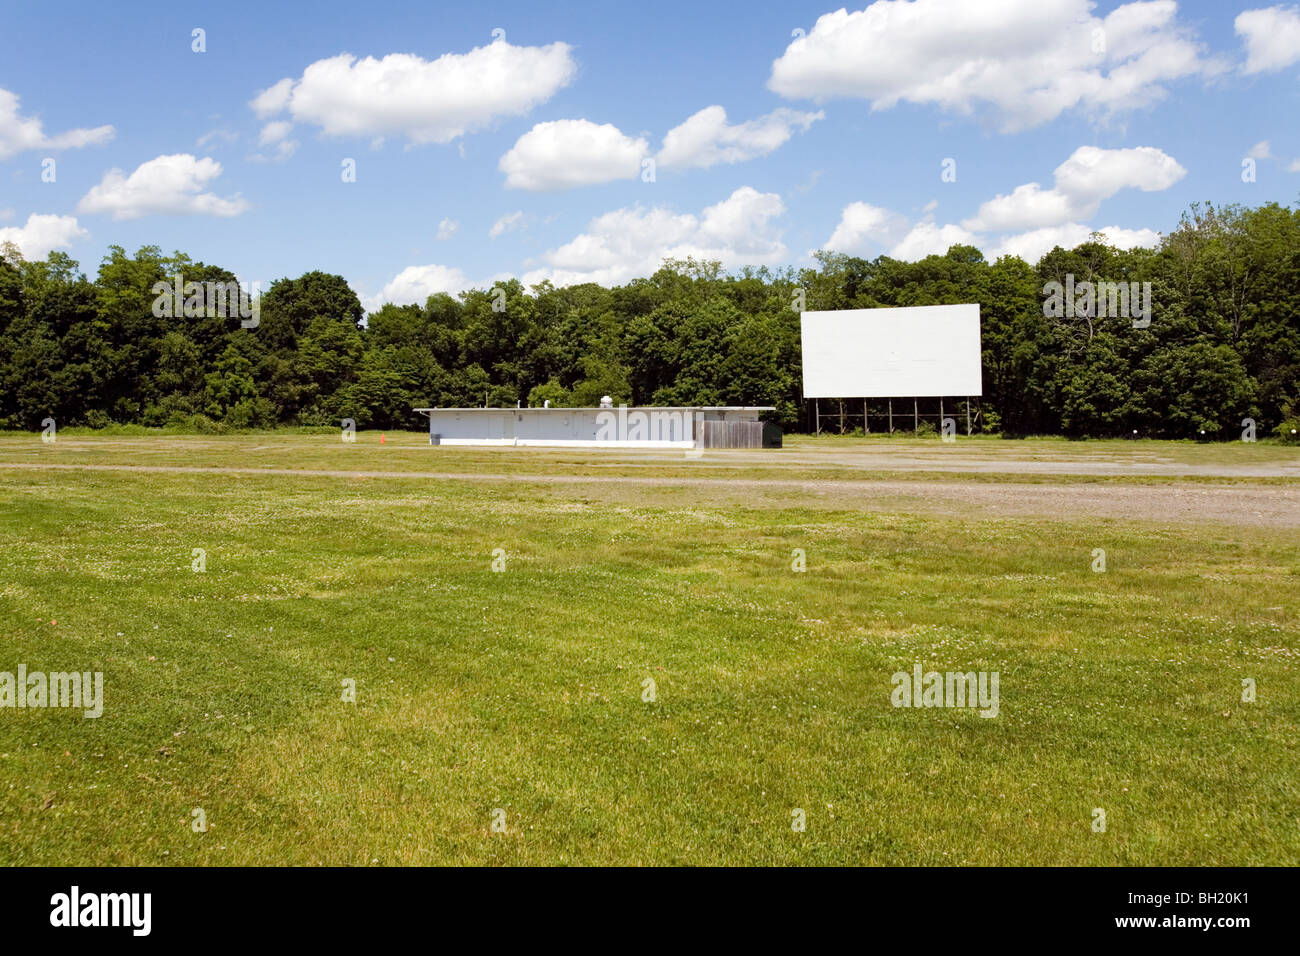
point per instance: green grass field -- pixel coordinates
(523, 691)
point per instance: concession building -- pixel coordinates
(683, 427)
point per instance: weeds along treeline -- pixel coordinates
(1222, 343)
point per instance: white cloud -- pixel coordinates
(706, 139)
(562, 154)
(1130, 238)
(1032, 245)
(6, 215)
(41, 234)
(19, 133)
(630, 242)
(507, 223)
(1271, 37)
(1027, 206)
(414, 284)
(1083, 181)
(274, 132)
(1026, 60)
(1294, 167)
(168, 185)
(1260, 150)
(864, 228)
(426, 101)
(1095, 174)
(1032, 220)
(927, 239)
(573, 152)
(447, 228)
(274, 99)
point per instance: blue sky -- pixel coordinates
(1121, 114)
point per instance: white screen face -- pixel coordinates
(931, 350)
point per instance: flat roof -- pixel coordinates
(596, 408)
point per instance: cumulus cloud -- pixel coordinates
(870, 230)
(566, 153)
(42, 234)
(1031, 219)
(1271, 37)
(562, 154)
(1027, 61)
(425, 101)
(414, 284)
(168, 185)
(507, 223)
(634, 241)
(1096, 174)
(19, 133)
(864, 229)
(1034, 244)
(1083, 181)
(927, 239)
(707, 139)
(1025, 207)
(447, 228)
(274, 99)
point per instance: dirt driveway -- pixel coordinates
(1269, 506)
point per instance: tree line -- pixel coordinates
(1222, 344)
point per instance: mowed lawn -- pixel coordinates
(524, 691)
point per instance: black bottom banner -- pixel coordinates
(948, 906)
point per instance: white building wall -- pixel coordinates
(577, 427)
(586, 427)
